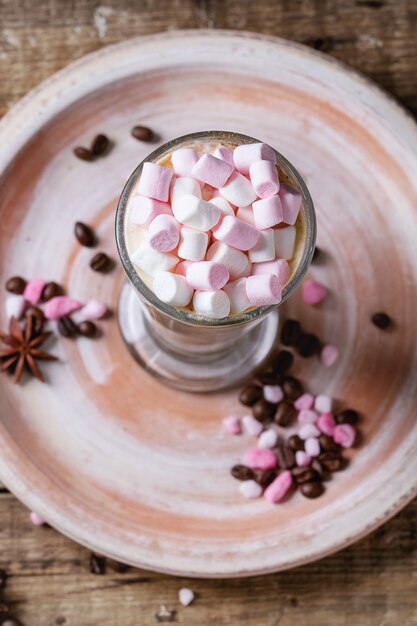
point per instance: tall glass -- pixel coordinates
(181, 349)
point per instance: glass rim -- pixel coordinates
(187, 317)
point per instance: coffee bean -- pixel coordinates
(97, 564)
(265, 477)
(83, 153)
(381, 320)
(142, 133)
(250, 394)
(304, 474)
(320, 470)
(292, 387)
(84, 234)
(285, 456)
(264, 411)
(100, 145)
(316, 254)
(348, 416)
(38, 317)
(101, 262)
(269, 378)
(327, 444)
(51, 290)
(290, 333)
(16, 285)
(241, 472)
(3, 578)
(67, 328)
(87, 329)
(285, 414)
(332, 461)
(312, 489)
(282, 362)
(308, 345)
(295, 442)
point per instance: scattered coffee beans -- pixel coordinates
(282, 362)
(264, 411)
(285, 414)
(87, 329)
(101, 262)
(242, 472)
(67, 328)
(83, 153)
(381, 320)
(51, 290)
(290, 333)
(265, 477)
(308, 345)
(16, 285)
(250, 394)
(312, 489)
(100, 145)
(142, 133)
(38, 317)
(348, 416)
(292, 387)
(295, 443)
(84, 234)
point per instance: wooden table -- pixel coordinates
(371, 584)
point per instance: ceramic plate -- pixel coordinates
(138, 471)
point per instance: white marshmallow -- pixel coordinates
(222, 204)
(323, 404)
(151, 261)
(15, 305)
(196, 213)
(235, 261)
(236, 292)
(245, 213)
(268, 439)
(212, 304)
(264, 248)
(193, 244)
(250, 489)
(172, 289)
(183, 187)
(284, 242)
(183, 161)
(238, 190)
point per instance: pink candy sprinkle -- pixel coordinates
(60, 306)
(279, 488)
(33, 290)
(326, 424)
(307, 416)
(93, 310)
(231, 425)
(251, 426)
(36, 519)
(313, 292)
(260, 458)
(312, 446)
(302, 459)
(305, 401)
(329, 355)
(344, 435)
(273, 393)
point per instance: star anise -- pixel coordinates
(23, 349)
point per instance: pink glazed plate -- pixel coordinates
(138, 471)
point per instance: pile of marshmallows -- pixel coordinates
(220, 229)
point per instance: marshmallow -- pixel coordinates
(212, 171)
(33, 290)
(212, 304)
(249, 153)
(193, 244)
(291, 204)
(222, 204)
(207, 276)
(236, 233)
(279, 267)
(251, 426)
(154, 181)
(231, 425)
(304, 402)
(264, 178)
(313, 292)
(234, 260)
(225, 154)
(307, 416)
(326, 423)
(143, 210)
(183, 161)
(236, 291)
(182, 267)
(268, 439)
(151, 261)
(172, 289)
(329, 355)
(36, 519)
(164, 233)
(250, 489)
(273, 393)
(279, 488)
(312, 446)
(308, 431)
(302, 459)
(260, 458)
(323, 404)
(15, 306)
(238, 190)
(60, 306)
(344, 435)
(93, 310)
(263, 290)
(264, 249)
(196, 213)
(284, 242)
(183, 187)
(245, 213)
(267, 212)
(185, 596)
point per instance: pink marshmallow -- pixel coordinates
(302, 459)
(236, 233)
(305, 401)
(36, 519)
(183, 267)
(313, 292)
(264, 178)
(143, 210)
(164, 233)
(60, 306)
(267, 212)
(33, 290)
(307, 416)
(263, 290)
(312, 446)
(251, 426)
(93, 310)
(291, 204)
(307, 431)
(207, 276)
(329, 355)
(344, 435)
(249, 153)
(273, 393)
(326, 424)
(225, 154)
(212, 171)
(279, 488)
(185, 596)
(279, 267)
(231, 425)
(183, 161)
(260, 458)
(154, 181)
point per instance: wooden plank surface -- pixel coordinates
(371, 584)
